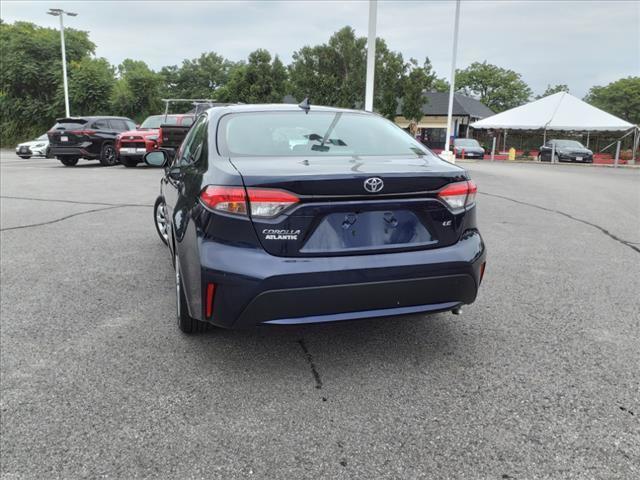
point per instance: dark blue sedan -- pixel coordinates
(285, 214)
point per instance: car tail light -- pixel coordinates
(225, 199)
(261, 202)
(269, 203)
(459, 195)
(211, 291)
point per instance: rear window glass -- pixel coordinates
(314, 134)
(67, 125)
(156, 120)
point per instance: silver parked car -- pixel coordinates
(35, 148)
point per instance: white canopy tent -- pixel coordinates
(560, 111)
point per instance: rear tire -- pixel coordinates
(128, 162)
(160, 220)
(26, 157)
(108, 156)
(68, 161)
(186, 323)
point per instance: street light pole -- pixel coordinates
(57, 12)
(371, 56)
(453, 77)
(64, 67)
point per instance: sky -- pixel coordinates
(578, 43)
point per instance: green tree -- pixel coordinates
(416, 84)
(498, 88)
(31, 77)
(200, 77)
(620, 98)
(389, 77)
(553, 89)
(91, 82)
(331, 73)
(136, 93)
(419, 80)
(260, 80)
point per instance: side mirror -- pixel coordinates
(157, 158)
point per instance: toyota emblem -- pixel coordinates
(373, 184)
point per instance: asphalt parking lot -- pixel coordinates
(540, 378)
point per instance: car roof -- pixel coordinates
(91, 118)
(172, 115)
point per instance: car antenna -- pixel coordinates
(305, 105)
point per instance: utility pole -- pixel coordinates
(58, 12)
(371, 56)
(453, 77)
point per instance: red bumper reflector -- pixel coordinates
(211, 291)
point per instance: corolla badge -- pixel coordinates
(278, 234)
(373, 184)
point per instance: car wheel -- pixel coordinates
(128, 162)
(160, 217)
(108, 156)
(185, 323)
(539, 158)
(26, 157)
(68, 161)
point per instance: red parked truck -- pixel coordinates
(160, 131)
(133, 144)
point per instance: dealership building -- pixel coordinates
(432, 127)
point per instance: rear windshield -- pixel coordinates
(69, 124)
(317, 133)
(156, 120)
(466, 142)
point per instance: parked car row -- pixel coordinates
(118, 139)
(107, 139)
(561, 150)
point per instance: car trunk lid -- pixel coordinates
(337, 214)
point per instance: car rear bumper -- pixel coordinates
(253, 287)
(137, 152)
(72, 152)
(576, 158)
